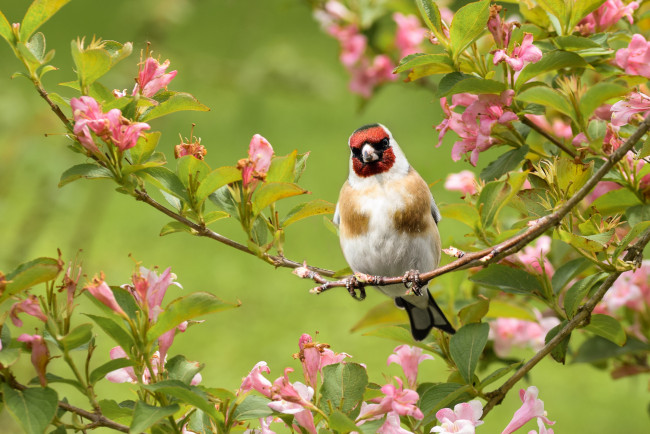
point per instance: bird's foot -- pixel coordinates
(352, 284)
(412, 281)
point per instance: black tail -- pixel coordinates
(423, 320)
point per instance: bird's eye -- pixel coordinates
(356, 152)
(383, 143)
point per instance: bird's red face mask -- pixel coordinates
(372, 153)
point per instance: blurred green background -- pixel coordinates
(262, 67)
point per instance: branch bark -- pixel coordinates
(524, 120)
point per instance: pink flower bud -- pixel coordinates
(30, 306)
(102, 292)
(40, 354)
(531, 408)
(152, 77)
(258, 162)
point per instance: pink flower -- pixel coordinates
(521, 54)
(579, 139)
(366, 76)
(123, 133)
(635, 59)
(532, 407)
(409, 358)
(562, 129)
(166, 339)
(254, 167)
(149, 289)
(30, 306)
(601, 188)
(314, 357)
(634, 103)
(392, 425)
(463, 419)
(353, 44)
(102, 292)
(631, 290)
(195, 149)
(409, 34)
(512, 332)
(256, 381)
(531, 256)
(464, 181)
(294, 398)
(606, 16)
(152, 77)
(40, 354)
(542, 428)
(122, 375)
(501, 31)
(397, 399)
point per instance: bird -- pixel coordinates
(388, 224)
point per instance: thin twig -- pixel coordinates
(55, 108)
(524, 120)
(506, 248)
(634, 254)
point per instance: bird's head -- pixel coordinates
(374, 151)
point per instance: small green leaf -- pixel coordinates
(468, 24)
(307, 209)
(174, 227)
(508, 279)
(144, 147)
(441, 396)
(461, 212)
(431, 16)
(9, 356)
(213, 216)
(341, 423)
(33, 408)
(426, 70)
(607, 327)
(598, 349)
(548, 97)
(343, 386)
(184, 393)
(500, 308)
(567, 272)
(457, 82)
(580, 242)
(571, 176)
(88, 171)
(598, 94)
(441, 62)
(496, 195)
(77, 337)
(559, 352)
(115, 411)
(382, 314)
(616, 201)
(38, 13)
(5, 29)
(578, 291)
(466, 346)
(271, 192)
(185, 308)
(191, 171)
(166, 180)
(505, 163)
(156, 160)
(499, 373)
(29, 274)
(282, 167)
(474, 312)
(170, 102)
(145, 415)
(215, 180)
(110, 366)
(550, 62)
(114, 330)
(630, 236)
(181, 369)
(253, 407)
(637, 214)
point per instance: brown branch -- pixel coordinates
(634, 254)
(202, 231)
(498, 252)
(55, 108)
(524, 120)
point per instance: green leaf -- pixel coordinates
(184, 393)
(110, 366)
(170, 102)
(33, 408)
(580, 242)
(253, 407)
(548, 97)
(215, 180)
(213, 216)
(114, 330)
(559, 352)
(271, 192)
(440, 396)
(607, 327)
(174, 227)
(616, 202)
(51, 378)
(38, 13)
(495, 195)
(92, 63)
(598, 349)
(468, 24)
(166, 180)
(145, 415)
(5, 29)
(156, 160)
(281, 168)
(431, 16)
(461, 212)
(504, 164)
(500, 308)
(181, 369)
(185, 308)
(598, 94)
(427, 70)
(29, 274)
(191, 171)
(382, 314)
(508, 279)
(466, 346)
(550, 62)
(343, 386)
(440, 62)
(9, 356)
(581, 9)
(630, 236)
(457, 82)
(341, 423)
(575, 43)
(637, 214)
(88, 171)
(571, 176)
(144, 147)
(567, 272)
(116, 412)
(77, 337)
(474, 312)
(307, 209)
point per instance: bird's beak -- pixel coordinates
(369, 154)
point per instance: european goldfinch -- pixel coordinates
(387, 222)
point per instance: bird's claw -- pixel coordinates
(412, 281)
(352, 284)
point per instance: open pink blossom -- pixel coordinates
(392, 425)
(40, 354)
(254, 167)
(367, 76)
(314, 357)
(409, 358)
(294, 398)
(409, 35)
(353, 43)
(102, 292)
(127, 375)
(630, 290)
(396, 399)
(149, 289)
(635, 59)
(152, 77)
(30, 306)
(532, 407)
(607, 16)
(634, 103)
(464, 418)
(464, 181)
(522, 54)
(512, 332)
(531, 256)
(256, 381)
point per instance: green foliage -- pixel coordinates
(457, 82)
(607, 327)
(468, 24)
(30, 274)
(466, 346)
(33, 408)
(145, 415)
(343, 387)
(508, 279)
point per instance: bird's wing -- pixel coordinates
(435, 212)
(337, 216)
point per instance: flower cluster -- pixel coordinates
(607, 16)
(512, 332)
(635, 59)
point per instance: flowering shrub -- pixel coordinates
(557, 224)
